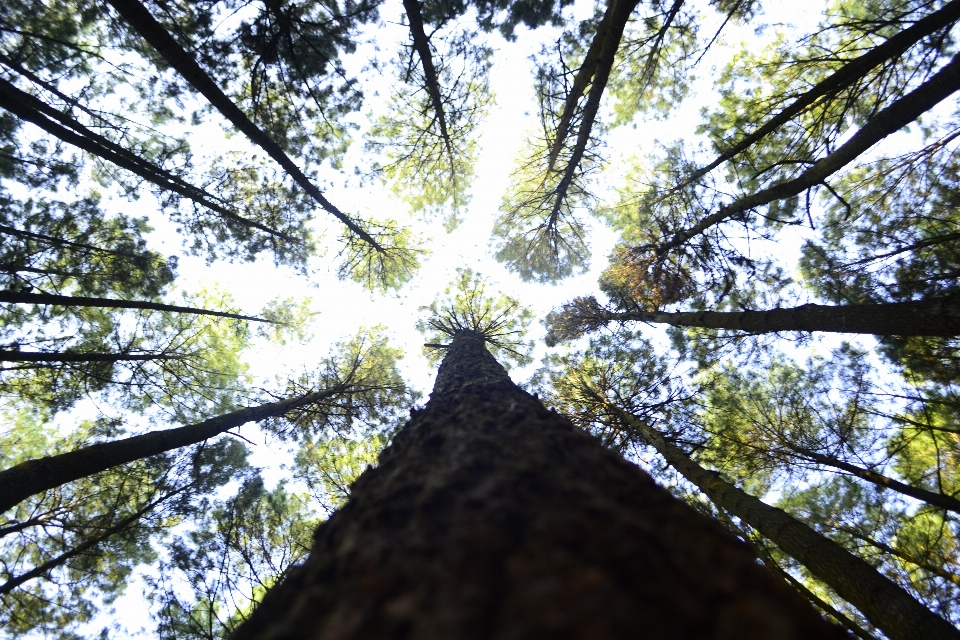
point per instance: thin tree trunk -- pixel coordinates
(421, 44)
(937, 318)
(138, 17)
(887, 606)
(9, 267)
(20, 233)
(83, 547)
(491, 517)
(885, 122)
(31, 109)
(906, 557)
(8, 355)
(764, 554)
(33, 476)
(930, 497)
(18, 297)
(838, 615)
(839, 80)
(588, 68)
(619, 13)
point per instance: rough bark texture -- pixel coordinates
(21, 481)
(491, 517)
(880, 600)
(937, 318)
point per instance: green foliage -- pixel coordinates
(199, 373)
(430, 165)
(389, 268)
(466, 305)
(541, 233)
(293, 320)
(368, 394)
(656, 59)
(917, 549)
(926, 447)
(329, 466)
(892, 238)
(217, 573)
(74, 248)
(757, 423)
(622, 366)
(91, 534)
(505, 15)
(755, 85)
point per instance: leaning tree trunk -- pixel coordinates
(929, 318)
(885, 604)
(491, 517)
(30, 477)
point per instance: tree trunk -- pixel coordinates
(7, 355)
(936, 318)
(147, 27)
(21, 481)
(840, 80)
(31, 109)
(614, 23)
(491, 517)
(19, 297)
(885, 122)
(421, 44)
(881, 601)
(940, 500)
(21, 233)
(594, 73)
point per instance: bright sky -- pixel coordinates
(345, 306)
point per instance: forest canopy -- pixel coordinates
(722, 237)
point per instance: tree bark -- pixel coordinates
(12, 355)
(936, 318)
(491, 517)
(881, 601)
(940, 500)
(33, 476)
(17, 297)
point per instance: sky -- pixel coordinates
(343, 307)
